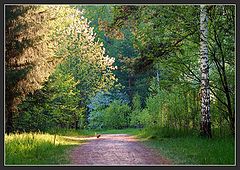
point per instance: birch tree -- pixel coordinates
(205, 125)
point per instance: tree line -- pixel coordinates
(59, 73)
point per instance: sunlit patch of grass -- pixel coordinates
(48, 148)
(37, 148)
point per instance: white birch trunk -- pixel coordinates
(205, 91)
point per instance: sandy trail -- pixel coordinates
(115, 150)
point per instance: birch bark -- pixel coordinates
(205, 91)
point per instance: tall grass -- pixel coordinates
(37, 148)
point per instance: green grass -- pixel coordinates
(37, 148)
(131, 131)
(87, 133)
(194, 150)
(73, 132)
(186, 148)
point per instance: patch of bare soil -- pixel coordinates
(115, 149)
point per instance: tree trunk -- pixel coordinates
(76, 124)
(158, 77)
(205, 126)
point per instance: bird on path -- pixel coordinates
(98, 136)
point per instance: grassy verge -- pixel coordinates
(40, 149)
(44, 148)
(37, 149)
(193, 150)
(187, 150)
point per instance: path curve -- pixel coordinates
(115, 149)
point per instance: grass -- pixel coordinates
(185, 148)
(131, 131)
(39, 148)
(193, 150)
(73, 132)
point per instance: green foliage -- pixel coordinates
(79, 69)
(222, 57)
(101, 101)
(136, 109)
(173, 51)
(55, 105)
(116, 115)
(32, 37)
(96, 119)
(155, 49)
(169, 113)
(33, 120)
(136, 103)
(120, 46)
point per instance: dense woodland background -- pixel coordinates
(117, 66)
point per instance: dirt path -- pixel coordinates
(115, 149)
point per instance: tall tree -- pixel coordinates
(205, 91)
(30, 47)
(38, 38)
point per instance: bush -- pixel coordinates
(136, 110)
(96, 119)
(155, 112)
(116, 115)
(35, 119)
(135, 118)
(166, 114)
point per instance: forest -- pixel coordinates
(163, 72)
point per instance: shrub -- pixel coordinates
(136, 110)
(116, 115)
(95, 119)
